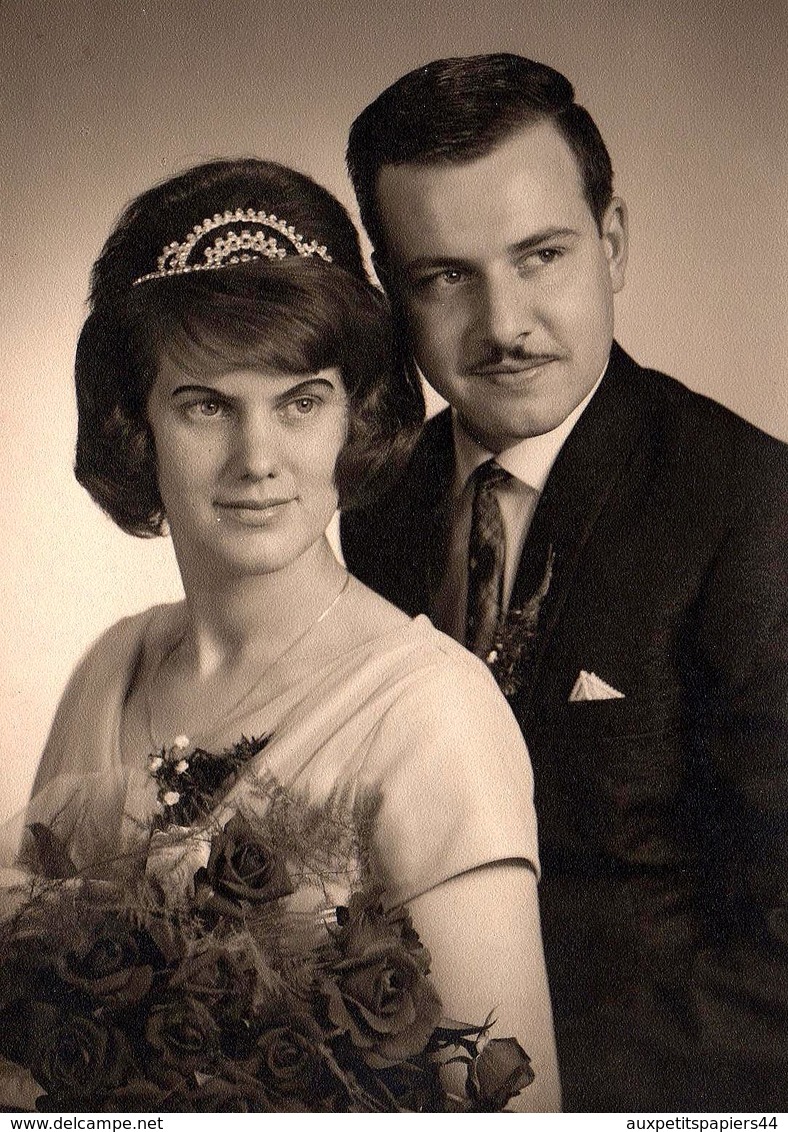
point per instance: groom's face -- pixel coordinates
(505, 281)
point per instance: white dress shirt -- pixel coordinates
(529, 463)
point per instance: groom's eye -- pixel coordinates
(444, 279)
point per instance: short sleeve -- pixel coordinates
(452, 771)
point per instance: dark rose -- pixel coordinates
(142, 1094)
(175, 1093)
(242, 867)
(500, 1072)
(184, 1033)
(21, 962)
(289, 1060)
(378, 992)
(75, 1057)
(225, 980)
(111, 961)
(218, 1095)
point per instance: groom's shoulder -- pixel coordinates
(421, 482)
(691, 430)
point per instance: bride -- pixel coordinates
(237, 380)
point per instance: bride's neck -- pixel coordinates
(229, 617)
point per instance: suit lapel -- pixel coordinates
(586, 472)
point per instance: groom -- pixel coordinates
(616, 547)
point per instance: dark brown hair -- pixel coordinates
(456, 110)
(295, 315)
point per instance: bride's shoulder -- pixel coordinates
(372, 615)
(447, 734)
(434, 655)
(120, 643)
(98, 686)
(436, 678)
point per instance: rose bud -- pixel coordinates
(500, 1072)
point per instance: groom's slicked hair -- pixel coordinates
(456, 110)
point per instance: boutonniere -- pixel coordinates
(514, 640)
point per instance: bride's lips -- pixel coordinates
(252, 512)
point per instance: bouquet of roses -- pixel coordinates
(228, 977)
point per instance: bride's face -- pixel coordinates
(246, 462)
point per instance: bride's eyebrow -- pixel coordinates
(207, 390)
(307, 386)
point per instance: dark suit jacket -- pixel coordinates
(663, 816)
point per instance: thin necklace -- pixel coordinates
(258, 675)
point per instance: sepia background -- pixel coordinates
(100, 98)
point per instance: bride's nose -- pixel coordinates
(255, 449)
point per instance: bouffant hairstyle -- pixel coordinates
(457, 110)
(296, 314)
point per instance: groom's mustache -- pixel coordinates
(510, 360)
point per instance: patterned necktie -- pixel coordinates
(486, 558)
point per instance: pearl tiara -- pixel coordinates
(234, 247)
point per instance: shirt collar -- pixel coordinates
(529, 461)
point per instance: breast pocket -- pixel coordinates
(617, 770)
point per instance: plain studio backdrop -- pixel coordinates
(101, 98)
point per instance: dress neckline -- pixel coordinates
(228, 711)
(328, 649)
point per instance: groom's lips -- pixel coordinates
(514, 367)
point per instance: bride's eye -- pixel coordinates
(299, 408)
(208, 408)
(204, 409)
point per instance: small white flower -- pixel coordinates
(155, 762)
(171, 797)
(181, 742)
(181, 766)
(492, 656)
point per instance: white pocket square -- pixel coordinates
(589, 686)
